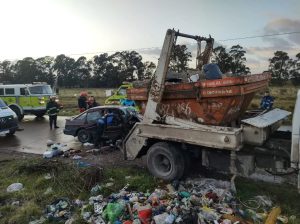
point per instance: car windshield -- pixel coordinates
(122, 92)
(46, 89)
(2, 104)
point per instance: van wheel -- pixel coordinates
(40, 114)
(18, 112)
(84, 136)
(165, 161)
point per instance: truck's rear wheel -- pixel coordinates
(165, 161)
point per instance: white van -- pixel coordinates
(8, 120)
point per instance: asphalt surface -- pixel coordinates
(34, 135)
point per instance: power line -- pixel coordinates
(224, 40)
(266, 35)
(152, 48)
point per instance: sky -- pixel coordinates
(37, 28)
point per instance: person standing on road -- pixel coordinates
(82, 102)
(92, 102)
(52, 110)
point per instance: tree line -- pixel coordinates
(111, 70)
(101, 71)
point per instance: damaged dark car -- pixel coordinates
(84, 124)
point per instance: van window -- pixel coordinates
(10, 91)
(22, 92)
(1, 92)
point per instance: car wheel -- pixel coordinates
(83, 136)
(165, 161)
(11, 133)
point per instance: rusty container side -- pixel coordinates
(217, 104)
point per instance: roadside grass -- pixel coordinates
(68, 98)
(67, 181)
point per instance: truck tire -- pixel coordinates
(18, 112)
(83, 136)
(165, 161)
(39, 114)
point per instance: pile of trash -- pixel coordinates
(198, 201)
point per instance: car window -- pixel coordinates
(81, 117)
(93, 116)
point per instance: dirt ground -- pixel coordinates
(108, 157)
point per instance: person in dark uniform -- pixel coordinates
(52, 110)
(82, 102)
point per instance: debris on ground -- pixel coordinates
(54, 150)
(59, 210)
(198, 201)
(14, 187)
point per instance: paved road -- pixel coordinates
(35, 134)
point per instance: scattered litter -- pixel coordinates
(96, 189)
(49, 190)
(48, 176)
(38, 221)
(88, 145)
(15, 203)
(14, 187)
(82, 164)
(76, 157)
(59, 210)
(200, 201)
(54, 149)
(109, 184)
(49, 142)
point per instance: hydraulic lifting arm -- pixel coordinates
(158, 83)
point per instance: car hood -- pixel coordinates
(6, 111)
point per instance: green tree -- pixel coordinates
(149, 69)
(129, 64)
(280, 66)
(6, 72)
(238, 63)
(83, 69)
(106, 72)
(180, 58)
(222, 59)
(295, 70)
(44, 67)
(26, 71)
(65, 69)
